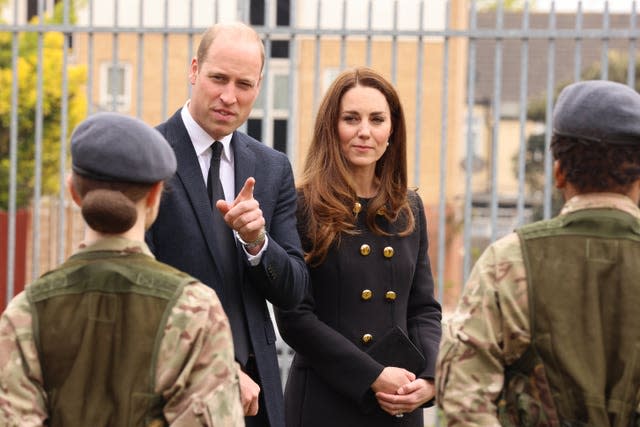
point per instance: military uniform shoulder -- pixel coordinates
(504, 250)
(537, 226)
(198, 291)
(19, 305)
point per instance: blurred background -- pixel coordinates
(477, 79)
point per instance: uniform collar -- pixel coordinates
(116, 244)
(601, 200)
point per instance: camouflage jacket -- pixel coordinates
(489, 329)
(196, 372)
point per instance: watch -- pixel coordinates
(255, 243)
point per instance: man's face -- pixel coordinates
(225, 85)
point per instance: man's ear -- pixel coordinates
(559, 175)
(193, 70)
(74, 194)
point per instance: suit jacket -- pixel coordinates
(364, 287)
(183, 236)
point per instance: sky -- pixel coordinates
(588, 5)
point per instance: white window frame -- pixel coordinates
(277, 67)
(123, 101)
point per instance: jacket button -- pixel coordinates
(357, 207)
(381, 212)
(388, 252)
(365, 250)
(390, 296)
(366, 338)
(366, 294)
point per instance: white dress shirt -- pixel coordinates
(202, 141)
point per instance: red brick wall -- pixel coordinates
(23, 222)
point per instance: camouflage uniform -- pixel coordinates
(490, 328)
(196, 373)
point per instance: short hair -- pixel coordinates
(239, 29)
(596, 167)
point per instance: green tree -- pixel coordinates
(510, 5)
(27, 66)
(536, 111)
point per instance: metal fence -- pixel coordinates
(478, 87)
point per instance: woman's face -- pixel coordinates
(364, 126)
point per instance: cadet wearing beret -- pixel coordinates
(112, 336)
(547, 331)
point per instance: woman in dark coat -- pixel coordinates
(365, 240)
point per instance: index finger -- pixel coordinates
(247, 190)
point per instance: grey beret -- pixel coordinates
(598, 111)
(115, 147)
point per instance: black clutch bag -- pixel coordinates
(396, 349)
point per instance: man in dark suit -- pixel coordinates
(228, 217)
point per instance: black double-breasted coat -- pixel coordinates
(365, 286)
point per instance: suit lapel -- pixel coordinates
(244, 160)
(188, 172)
(244, 164)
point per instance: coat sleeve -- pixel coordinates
(423, 312)
(23, 399)
(196, 372)
(282, 276)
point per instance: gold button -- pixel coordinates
(380, 211)
(366, 294)
(365, 250)
(388, 252)
(390, 295)
(366, 338)
(357, 207)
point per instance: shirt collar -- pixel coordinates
(601, 200)
(200, 139)
(116, 244)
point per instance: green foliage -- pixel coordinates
(617, 72)
(507, 5)
(27, 69)
(536, 111)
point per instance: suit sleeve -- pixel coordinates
(424, 313)
(281, 276)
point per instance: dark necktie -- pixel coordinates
(214, 186)
(230, 288)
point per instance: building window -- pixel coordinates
(256, 12)
(254, 128)
(280, 135)
(279, 13)
(115, 87)
(282, 13)
(280, 49)
(275, 109)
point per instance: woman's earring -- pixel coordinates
(388, 143)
